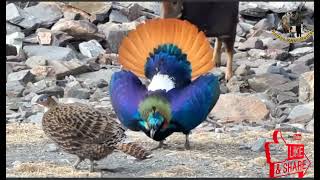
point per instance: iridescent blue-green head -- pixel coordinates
(155, 111)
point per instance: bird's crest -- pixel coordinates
(141, 43)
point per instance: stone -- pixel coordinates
(306, 87)
(80, 93)
(235, 85)
(66, 68)
(17, 16)
(251, 43)
(80, 29)
(8, 70)
(36, 118)
(41, 72)
(52, 91)
(99, 11)
(299, 68)
(301, 51)
(115, 38)
(54, 38)
(258, 145)
(110, 58)
(91, 48)
(276, 44)
(50, 52)
(240, 55)
(15, 39)
(14, 88)
(34, 61)
(13, 13)
(302, 113)
(11, 50)
(118, 17)
(253, 12)
(283, 98)
(257, 53)
(264, 24)
(219, 72)
(283, 7)
(52, 147)
(94, 77)
(246, 27)
(45, 38)
(23, 76)
(243, 70)
(277, 54)
(307, 59)
(114, 33)
(292, 86)
(239, 107)
(10, 28)
(310, 126)
(45, 13)
(262, 82)
(274, 19)
(277, 70)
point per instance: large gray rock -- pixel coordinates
(14, 88)
(23, 76)
(299, 68)
(301, 51)
(118, 17)
(91, 48)
(66, 68)
(45, 13)
(306, 59)
(306, 87)
(239, 107)
(263, 82)
(251, 43)
(50, 52)
(264, 24)
(302, 113)
(52, 91)
(95, 77)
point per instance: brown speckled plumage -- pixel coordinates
(84, 131)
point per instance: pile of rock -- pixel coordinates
(70, 50)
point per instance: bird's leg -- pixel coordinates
(91, 168)
(78, 161)
(187, 143)
(161, 145)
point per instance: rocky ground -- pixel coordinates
(72, 52)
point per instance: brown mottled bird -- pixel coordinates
(84, 131)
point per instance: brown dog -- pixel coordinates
(216, 19)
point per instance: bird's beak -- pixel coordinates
(152, 131)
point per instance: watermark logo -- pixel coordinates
(296, 161)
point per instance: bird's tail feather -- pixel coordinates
(134, 150)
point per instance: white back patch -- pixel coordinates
(161, 81)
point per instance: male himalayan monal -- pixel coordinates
(176, 58)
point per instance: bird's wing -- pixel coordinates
(126, 92)
(82, 124)
(191, 105)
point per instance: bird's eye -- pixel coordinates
(175, 2)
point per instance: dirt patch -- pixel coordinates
(211, 155)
